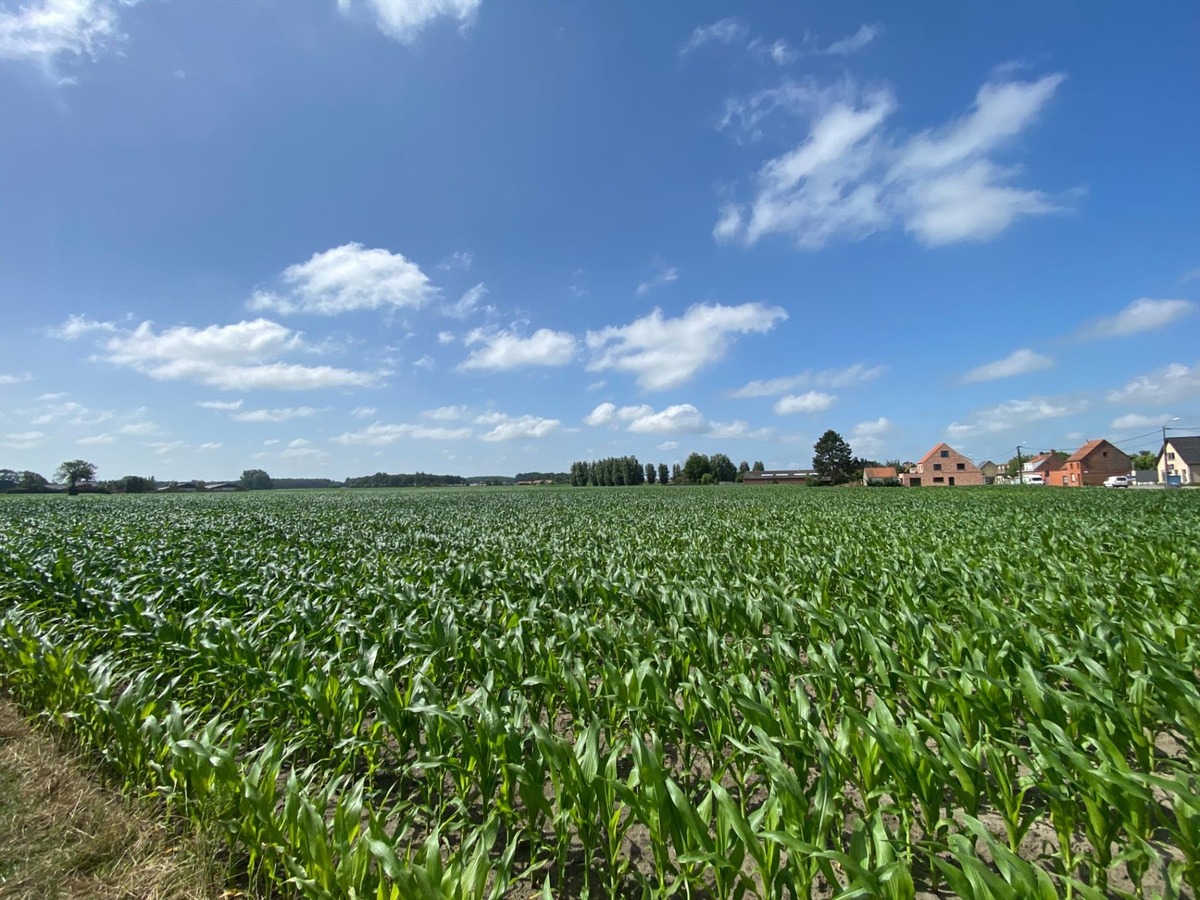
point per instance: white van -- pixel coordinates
(1035, 479)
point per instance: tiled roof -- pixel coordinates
(879, 472)
(1083, 452)
(1187, 448)
(929, 455)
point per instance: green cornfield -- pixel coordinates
(650, 692)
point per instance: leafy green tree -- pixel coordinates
(32, 482)
(135, 484)
(895, 464)
(676, 473)
(1145, 460)
(663, 473)
(695, 467)
(723, 468)
(258, 480)
(758, 466)
(8, 480)
(75, 472)
(1013, 467)
(832, 457)
(651, 473)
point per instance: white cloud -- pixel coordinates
(1019, 362)
(96, 439)
(23, 440)
(19, 378)
(667, 446)
(601, 415)
(42, 32)
(299, 442)
(1135, 420)
(1143, 314)
(301, 452)
(210, 445)
(849, 376)
(77, 326)
(467, 305)
(72, 413)
(140, 429)
(723, 31)
(509, 428)
(57, 395)
(166, 448)
(459, 259)
(1171, 384)
(596, 385)
(1012, 414)
(665, 275)
(426, 362)
(445, 413)
(856, 41)
(866, 438)
(275, 415)
(808, 402)
(363, 412)
(851, 177)
(404, 20)
(683, 418)
(220, 405)
(379, 434)
(665, 353)
(503, 350)
(230, 357)
(346, 279)
(445, 337)
(737, 430)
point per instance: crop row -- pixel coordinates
(775, 693)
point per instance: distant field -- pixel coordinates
(714, 692)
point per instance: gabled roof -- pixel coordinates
(1089, 448)
(1186, 448)
(879, 472)
(942, 446)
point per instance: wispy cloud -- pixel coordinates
(856, 41)
(723, 31)
(467, 305)
(45, 32)
(282, 414)
(1137, 420)
(852, 177)
(1012, 414)
(1174, 383)
(18, 378)
(380, 434)
(510, 428)
(1143, 314)
(404, 20)
(846, 377)
(1019, 362)
(808, 402)
(665, 275)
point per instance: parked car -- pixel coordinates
(1035, 479)
(1117, 481)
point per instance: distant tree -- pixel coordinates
(832, 458)
(663, 473)
(75, 472)
(135, 484)
(1145, 460)
(32, 482)
(258, 480)
(895, 464)
(723, 468)
(707, 478)
(676, 473)
(695, 467)
(743, 467)
(651, 473)
(1013, 467)
(8, 480)
(758, 466)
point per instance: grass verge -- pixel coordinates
(64, 835)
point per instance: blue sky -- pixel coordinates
(332, 238)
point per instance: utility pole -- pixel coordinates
(1021, 466)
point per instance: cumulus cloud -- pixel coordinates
(44, 32)
(808, 402)
(848, 376)
(404, 20)
(445, 337)
(504, 350)
(346, 279)
(19, 378)
(77, 326)
(682, 418)
(242, 356)
(737, 430)
(1019, 362)
(275, 415)
(71, 413)
(1012, 414)
(665, 353)
(1143, 314)
(379, 434)
(508, 428)
(851, 177)
(601, 415)
(1174, 383)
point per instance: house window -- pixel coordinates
(938, 479)
(945, 453)
(961, 466)
(937, 467)
(1171, 457)
(1072, 478)
(1064, 481)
